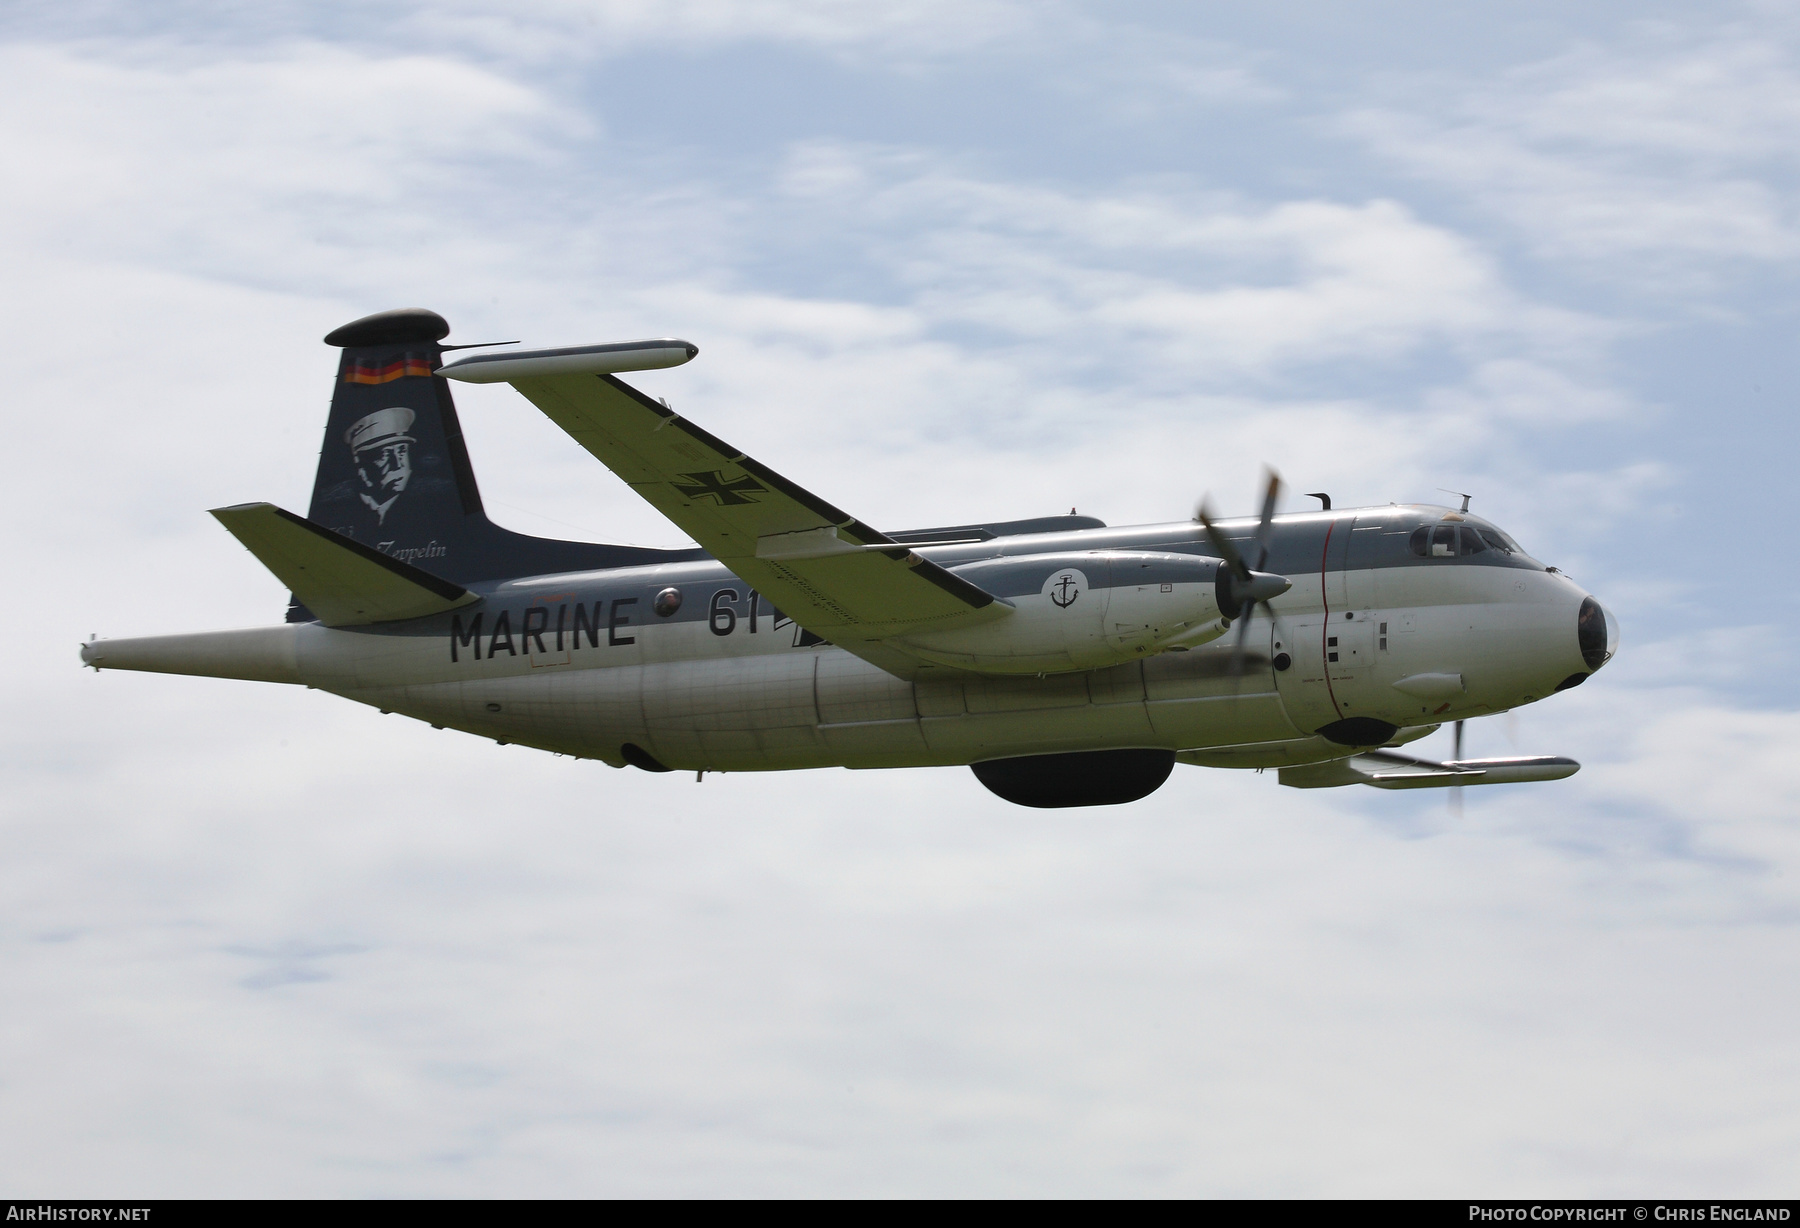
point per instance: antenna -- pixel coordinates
(475, 345)
(1465, 498)
(1322, 497)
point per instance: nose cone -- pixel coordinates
(1597, 631)
(1596, 637)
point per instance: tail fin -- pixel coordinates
(394, 473)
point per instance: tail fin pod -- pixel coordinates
(394, 473)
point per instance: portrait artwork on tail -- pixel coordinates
(381, 450)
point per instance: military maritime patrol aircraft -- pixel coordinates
(1066, 662)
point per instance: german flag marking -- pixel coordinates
(386, 373)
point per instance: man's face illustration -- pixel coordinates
(385, 469)
(382, 452)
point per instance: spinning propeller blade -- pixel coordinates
(1456, 797)
(1267, 524)
(1246, 587)
(1220, 542)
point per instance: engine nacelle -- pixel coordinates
(1079, 611)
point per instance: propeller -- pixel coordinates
(1456, 796)
(1243, 587)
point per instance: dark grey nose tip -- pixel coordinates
(1597, 632)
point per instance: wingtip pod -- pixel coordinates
(607, 359)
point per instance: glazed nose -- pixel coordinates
(1597, 632)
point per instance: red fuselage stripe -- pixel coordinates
(1325, 627)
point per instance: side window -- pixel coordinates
(1420, 541)
(1443, 541)
(1471, 541)
(1496, 541)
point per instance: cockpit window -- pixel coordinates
(1443, 541)
(1453, 537)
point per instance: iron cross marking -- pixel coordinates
(712, 485)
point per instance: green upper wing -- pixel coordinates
(827, 571)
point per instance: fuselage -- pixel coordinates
(1398, 618)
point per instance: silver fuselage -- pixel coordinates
(582, 664)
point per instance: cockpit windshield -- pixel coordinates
(1419, 534)
(1446, 541)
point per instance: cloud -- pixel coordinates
(977, 307)
(1207, 287)
(561, 34)
(909, 28)
(518, 973)
(1660, 158)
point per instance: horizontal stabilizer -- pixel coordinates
(343, 582)
(1385, 769)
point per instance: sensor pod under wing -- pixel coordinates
(1386, 769)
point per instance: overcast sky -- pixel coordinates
(945, 260)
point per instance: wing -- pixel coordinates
(829, 572)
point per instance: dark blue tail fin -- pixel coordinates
(394, 473)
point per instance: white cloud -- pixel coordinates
(1656, 159)
(322, 975)
(1215, 288)
(939, 26)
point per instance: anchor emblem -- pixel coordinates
(1064, 592)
